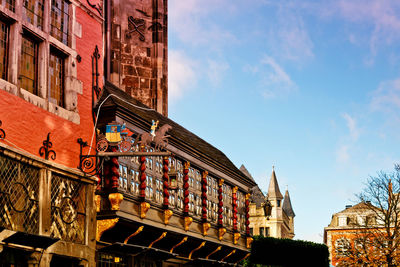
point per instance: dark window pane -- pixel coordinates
(3, 49)
(10, 4)
(56, 83)
(28, 65)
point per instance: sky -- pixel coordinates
(310, 87)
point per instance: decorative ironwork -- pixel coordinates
(95, 71)
(45, 149)
(196, 249)
(136, 25)
(159, 138)
(19, 196)
(97, 7)
(89, 164)
(180, 243)
(2, 132)
(68, 205)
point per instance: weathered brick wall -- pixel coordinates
(138, 50)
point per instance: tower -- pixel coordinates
(275, 197)
(287, 208)
(137, 48)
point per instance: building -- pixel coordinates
(350, 235)
(271, 215)
(182, 203)
(79, 184)
(47, 214)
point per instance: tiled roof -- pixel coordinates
(186, 140)
(273, 189)
(287, 205)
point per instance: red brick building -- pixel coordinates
(46, 210)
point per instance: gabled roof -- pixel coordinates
(287, 205)
(273, 189)
(140, 115)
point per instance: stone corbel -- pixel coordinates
(187, 222)
(167, 216)
(206, 227)
(144, 207)
(115, 200)
(236, 237)
(221, 232)
(249, 240)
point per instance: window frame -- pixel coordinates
(36, 41)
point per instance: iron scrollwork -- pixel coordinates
(2, 132)
(98, 7)
(89, 164)
(45, 149)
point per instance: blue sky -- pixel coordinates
(312, 87)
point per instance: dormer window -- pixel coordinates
(343, 221)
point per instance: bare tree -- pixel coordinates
(376, 237)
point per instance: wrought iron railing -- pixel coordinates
(19, 196)
(68, 202)
(23, 185)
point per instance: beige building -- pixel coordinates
(280, 222)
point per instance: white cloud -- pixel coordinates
(382, 15)
(342, 154)
(181, 74)
(191, 20)
(387, 97)
(351, 124)
(275, 81)
(216, 70)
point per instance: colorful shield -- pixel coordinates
(113, 133)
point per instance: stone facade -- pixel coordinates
(280, 223)
(138, 49)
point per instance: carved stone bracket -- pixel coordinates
(115, 200)
(167, 216)
(221, 233)
(144, 207)
(206, 227)
(187, 222)
(236, 237)
(249, 240)
(104, 225)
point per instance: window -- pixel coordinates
(28, 68)
(278, 203)
(251, 231)
(33, 12)
(342, 246)
(262, 231)
(9, 4)
(3, 50)
(56, 79)
(267, 233)
(343, 221)
(59, 20)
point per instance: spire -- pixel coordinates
(273, 189)
(287, 205)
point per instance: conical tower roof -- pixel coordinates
(287, 205)
(273, 189)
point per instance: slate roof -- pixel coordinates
(141, 115)
(256, 194)
(273, 189)
(287, 205)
